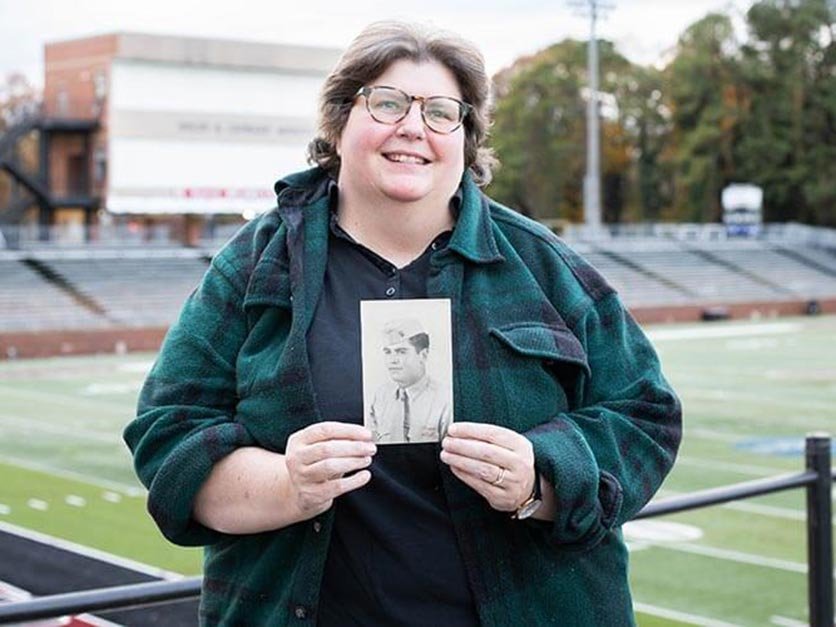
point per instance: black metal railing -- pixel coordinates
(817, 478)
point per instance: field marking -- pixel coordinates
(75, 501)
(139, 367)
(5, 510)
(122, 488)
(86, 551)
(62, 398)
(104, 389)
(682, 617)
(642, 532)
(713, 434)
(700, 333)
(53, 429)
(38, 505)
(713, 394)
(736, 556)
(743, 469)
(783, 621)
(8, 592)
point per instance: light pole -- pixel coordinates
(592, 179)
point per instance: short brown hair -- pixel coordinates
(367, 57)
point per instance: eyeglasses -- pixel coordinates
(390, 105)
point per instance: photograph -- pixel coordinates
(407, 369)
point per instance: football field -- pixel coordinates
(751, 390)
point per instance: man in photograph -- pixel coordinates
(412, 407)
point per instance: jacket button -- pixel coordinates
(317, 526)
(390, 291)
(300, 612)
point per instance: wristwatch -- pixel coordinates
(532, 503)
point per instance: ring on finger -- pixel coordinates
(500, 477)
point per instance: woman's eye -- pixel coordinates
(388, 105)
(441, 114)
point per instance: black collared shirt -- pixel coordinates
(393, 557)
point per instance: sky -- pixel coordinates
(643, 30)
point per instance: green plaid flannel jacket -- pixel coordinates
(543, 346)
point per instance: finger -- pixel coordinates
(488, 473)
(474, 482)
(334, 467)
(487, 433)
(313, 453)
(332, 430)
(483, 451)
(501, 501)
(343, 485)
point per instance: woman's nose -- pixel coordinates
(413, 124)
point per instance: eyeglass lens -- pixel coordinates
(389, 106)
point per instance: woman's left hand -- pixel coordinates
(496, 462)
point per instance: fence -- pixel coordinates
(817, 479)
(214, 233)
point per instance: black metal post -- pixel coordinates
(45, 178)
(819, 532)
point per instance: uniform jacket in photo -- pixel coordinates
(542, 345)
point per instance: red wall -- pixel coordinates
(52, 343)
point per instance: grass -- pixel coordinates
(746, 390)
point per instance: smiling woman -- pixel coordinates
(250, 433)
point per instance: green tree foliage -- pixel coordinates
(788, 138)
(721, 111)
(539, 132)
(702, 83)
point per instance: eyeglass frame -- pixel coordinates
(464, 107)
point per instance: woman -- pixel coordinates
(249, 432)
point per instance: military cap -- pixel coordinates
(401, 329)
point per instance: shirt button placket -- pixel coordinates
(393, 283)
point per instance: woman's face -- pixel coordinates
(403, 162)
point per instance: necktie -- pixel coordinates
(405, 399)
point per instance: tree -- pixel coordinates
(788, 143)
(705, 100)
(18, 100)
(539, 132)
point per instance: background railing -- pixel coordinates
(817, 479)
(214, 233)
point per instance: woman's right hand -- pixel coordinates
(319, 456)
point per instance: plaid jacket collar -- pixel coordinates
(473, 237)
(291, 264)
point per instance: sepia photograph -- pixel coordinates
(407, 369)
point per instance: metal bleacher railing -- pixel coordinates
(117, 235)
(817, 479)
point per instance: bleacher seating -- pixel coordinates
(134, 291)
(28, 302)
(93, 289)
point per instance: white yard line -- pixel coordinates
(25, 424)
(730, 395)
(743, 469)
(63, 399)
(738, 330)
(87, 551)
(122, 488)
(682, 617)
(720, 436)
(783, 621)
(736, 556)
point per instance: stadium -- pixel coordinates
(140, 183)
